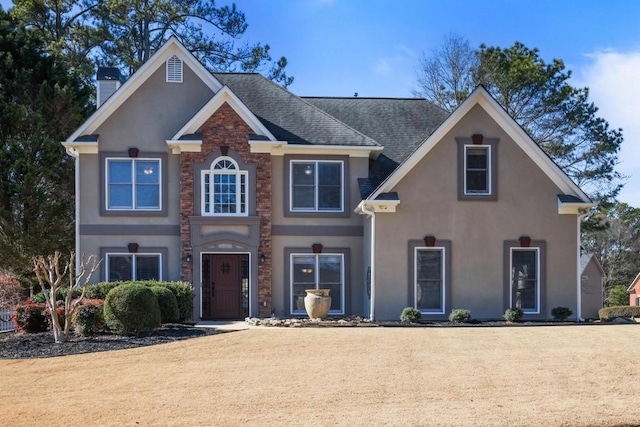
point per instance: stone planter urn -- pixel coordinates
(317, 303)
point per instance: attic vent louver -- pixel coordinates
(174, 70)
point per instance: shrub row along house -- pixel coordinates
(254, 194)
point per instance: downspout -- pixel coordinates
(372, 215)
(77, 222)
(578, 270)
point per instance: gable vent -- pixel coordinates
(174, 70)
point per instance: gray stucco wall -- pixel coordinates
(343, 232)
(526, 205)
(153, 114)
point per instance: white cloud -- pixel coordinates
(613, 79)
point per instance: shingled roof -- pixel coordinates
(400, 125)
(288, 117)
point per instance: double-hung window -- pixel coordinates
(525, 279)
(317, 271)
(429, 276)
(317, 186)
(224, 189)
(138, 266)
(477, 172)
(133, 184)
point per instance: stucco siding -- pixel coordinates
(353, 272)
(526, 205)
(150, 116)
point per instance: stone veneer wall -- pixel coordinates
(225, 127)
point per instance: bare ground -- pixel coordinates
(515, 376)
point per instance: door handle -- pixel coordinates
(213, 288)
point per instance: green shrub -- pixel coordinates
(167, 302)
(561, 313)
(410, 314)
(460, 315)
(512, 314)
(609, 313)
(61, 294)
(100, 290)
(183, 292)
(88, 318)
(131, 309)
(31, 317)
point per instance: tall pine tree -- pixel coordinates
(41, 103)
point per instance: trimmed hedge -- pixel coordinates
(100, 290)
(61, 294)
(609, 313)
(167, 303)
(31, 317)
(132, 309)
(88, 318)
(513, 314)
(184, 294)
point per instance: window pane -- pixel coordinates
(304, 270)
(147, 196)
(303, 197)
(147, 267)
(476, 158)
(303, 173)
(330, 269)
(524, 279)
(429, 280)
(120, 196)
(329, 198)
(329, 173)
(119, 171)
(119, 267)
(147, 172)
(477, 182)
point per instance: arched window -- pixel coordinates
(224, 189)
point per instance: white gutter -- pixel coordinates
(372, 216)
(578, 269)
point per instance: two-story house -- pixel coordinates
(254, 194)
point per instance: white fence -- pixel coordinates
(5, 314)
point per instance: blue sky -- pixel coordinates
(339, 47)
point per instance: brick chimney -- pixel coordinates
(109, 80)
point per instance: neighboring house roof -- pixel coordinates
(585, 259)
(481, 97)
(288, 117)
(633, 284)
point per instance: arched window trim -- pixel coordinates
(233, 201)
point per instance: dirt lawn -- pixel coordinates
(501, 376)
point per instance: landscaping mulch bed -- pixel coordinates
(16, 345)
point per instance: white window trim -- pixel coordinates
(444, 278)
(174, 75)
(315, 186)
(537, 251)
(238, 173)
(133, 256)
(489, 183)
(133, 207)
(316, 275)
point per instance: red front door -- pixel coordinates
(226, 277)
